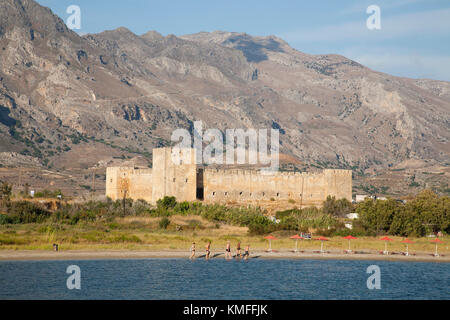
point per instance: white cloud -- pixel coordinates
(360, 6)
(373, 49)
(436, 67)
(435, 22)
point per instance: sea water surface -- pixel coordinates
(220, 279)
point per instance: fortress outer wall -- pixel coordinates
(306, 189)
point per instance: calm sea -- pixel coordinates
(218, 279)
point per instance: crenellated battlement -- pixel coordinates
(338, 172)
(247, 172)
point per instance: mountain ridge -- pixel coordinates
(60, 91)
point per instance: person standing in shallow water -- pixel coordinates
(247, 252)
(228, 251)
(208, 250)
(238, 250)
(192, 251)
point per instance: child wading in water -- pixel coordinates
(208, 250)
(238, 250)
(192, 251)
(228, 251)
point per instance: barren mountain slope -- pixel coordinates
(63, 97)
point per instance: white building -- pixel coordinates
(352, 216)
(361, 197)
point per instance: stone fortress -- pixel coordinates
(188, 182)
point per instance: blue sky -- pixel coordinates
(414, 40)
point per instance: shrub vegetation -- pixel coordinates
(425, 214)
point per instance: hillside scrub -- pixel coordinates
(427, 213)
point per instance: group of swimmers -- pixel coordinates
(228, 255)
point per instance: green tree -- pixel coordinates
(407, 223)
(166, 203)
(337, 208)
(433, 211)
(377, 216)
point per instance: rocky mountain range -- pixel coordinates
(71, 101)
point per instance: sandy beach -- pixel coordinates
(35, 255)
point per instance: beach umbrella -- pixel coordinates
(321, 239)
(385, 239)
(437, 240)
(270, 238)
(296, 237)
(349, 238)
(407, 241)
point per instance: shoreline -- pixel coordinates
(38, 255)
